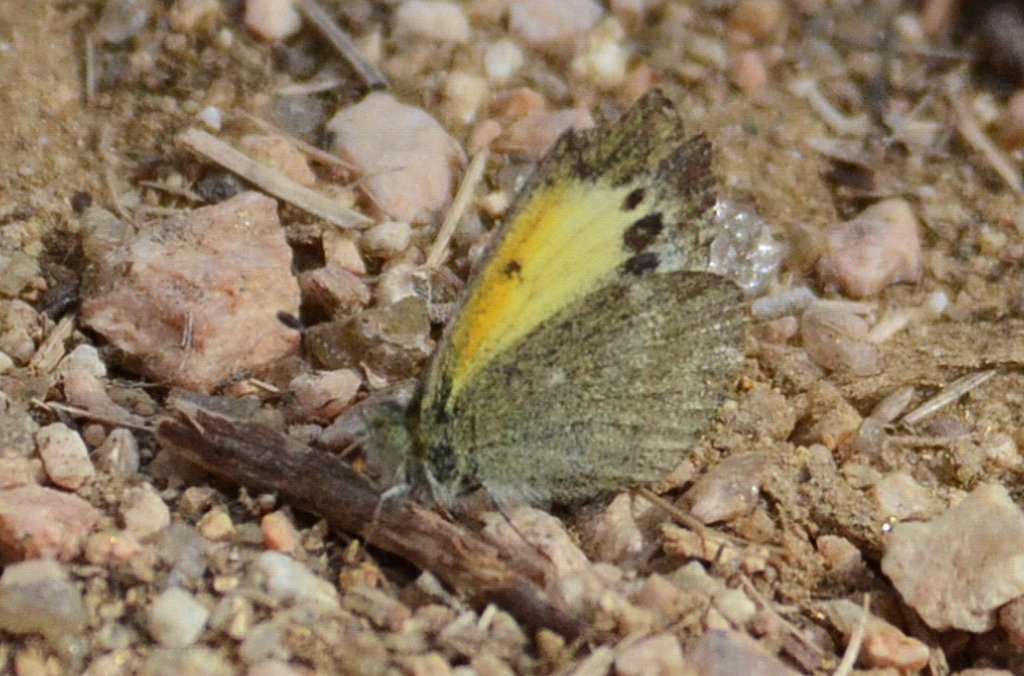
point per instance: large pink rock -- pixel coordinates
(194, 300)
(40, 522)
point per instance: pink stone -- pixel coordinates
(194, 300)
(881, 246)
(408, 160)
(38, 522)
(535, 133)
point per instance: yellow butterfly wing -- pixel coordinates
(619, 202)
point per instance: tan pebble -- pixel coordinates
(118, 455)
(431, 20)
(341, 251)
(325, 394)
(272, 20)
(483, 135)
(334, 290)
(93, 434)
(885, 646)
(143, 512)
(215, 525)
(749, 73)
(881, 246)
(937, 15)
(502, 60)
(397, 283)
(516, 103)
(757, 19)
(837, 339)
(20, 328)
(639, 80)
(465, 94)
(841, 556)
(114, 549)
(65, 456)
(17, 470)
(1001, 450)
(614, 536)
(604, 57)
(630, 12)
(552, 26)
(830, 420)
(1011, 122)
(279, 532)
(535, 133)
(730, 489)
(898, 495)
(658, 654)
(191, 16)
(278, 152)
(779, 331)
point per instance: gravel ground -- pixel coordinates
(868, 157)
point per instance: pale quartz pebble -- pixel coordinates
(118, 454)
(464, 95)
(730, 489)
(603, 59)
(216, 525)
(657, 654)
(341, 251)
(279, 533)
(879, 247)
(432, 20)
(84, 358)
(957, 569)
(325, 394)
(116, 549)
(212, 117)
(535, 133)
(189, 16)
(6, 363)
(516, 103)
(735, 606)
(757, 19)
(335, 291)
(201, 296)
(41, 522)
(272, 20)
(614, 536)
(407, 159)
(749, 73)
(386, 239)
(20, 328)
(539, 530)
(840, 555)
(838, 340)
(143, 512)
(552, 26)
(884, 645)
(288, 581)
(65, 457)
(176, 619)
(899, 496)
(502, 60)
(723, 652)
(37, 597)
(122, 19)
(274, 150)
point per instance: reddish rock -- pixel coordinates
(40, 522)
(194, 300)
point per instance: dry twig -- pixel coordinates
(339, 39)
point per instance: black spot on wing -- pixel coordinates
(641, 263)
(513, 269)
(640, 235)
(633, 199)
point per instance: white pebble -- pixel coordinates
(176, 619)
(387, 239)
(144, 512)
(65, 457)
(552, 25)
(783, 303)
(502, 60)
(272, 20)
(604, 59)
(212, 117)
(433, 20)
(288, 581)
(465, 94)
